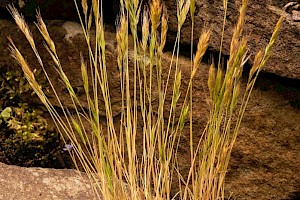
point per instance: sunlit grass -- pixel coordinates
(109, 155)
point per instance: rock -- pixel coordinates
(260, 21)
(21, 183)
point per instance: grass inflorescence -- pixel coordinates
(109, 155)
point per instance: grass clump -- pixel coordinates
(108, 155)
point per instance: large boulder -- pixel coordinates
(260, 21)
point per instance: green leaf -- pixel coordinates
(6, 113)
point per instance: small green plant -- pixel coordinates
(27, 122)
(14, 85)
(5, 114)
(16, 114)
(110, 157)
(25, 138)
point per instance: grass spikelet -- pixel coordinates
(43, 30)
(121, 37)
(271, 43)
(183, 117)
(96, 11)
(192, 9)
(236, 60)
(78, 129)
(201, 49)
(84, 7)
(228, 91)
(16, 54)
(164, 29)
(84, 76)
(239, 28)
(183, 13)
(225, 2)
(256, 64)
(218, 84)
(235, 97)
(155, 13)
(211, 79)
(19, 19)
(176, 89)
(145, 29)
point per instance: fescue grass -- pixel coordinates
(109, 156)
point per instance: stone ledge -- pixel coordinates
(21, 183)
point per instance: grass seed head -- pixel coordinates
(237, 33)
(183, 13)
(256, 64)
(19, 19)
(95, 9)
(164, 30)
(201, 49)
(183, 117)
(84, 75)
(192, 9)
(43, 30)
(176, 92)
(274, 36)
(145, 29)
(225, 2)
(155, 13)
(218, 82)
(122, 39)
(16, 54)
(235, 96)
(228, 91)
(84, 7)
(212, 79)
